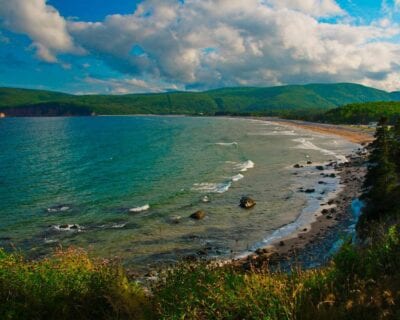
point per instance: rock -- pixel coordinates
(321, 182)
(309, 162)
(319, 168)
(332, 175)
(281, 243)
(63, 226)
(175, 219)
(261, 251)
(198, 215)
(297, 166)
(309, 191)
(325, 211)
(329, 216)
(74, 227)
(247, 202)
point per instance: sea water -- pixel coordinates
(126, 186)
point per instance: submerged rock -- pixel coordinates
(247, 202)
(198, 215)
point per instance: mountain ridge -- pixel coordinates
(278, 100)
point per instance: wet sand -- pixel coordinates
(356, 134)
(310, 244)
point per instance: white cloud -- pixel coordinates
(210, 43)
(42, 23)
(204, 43)
(128, 85)
(316, 8)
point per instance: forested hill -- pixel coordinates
(282, 100)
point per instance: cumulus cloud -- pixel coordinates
(204, 43)
(198, 44)
(128, 85)
(316, 8)
(42, 23)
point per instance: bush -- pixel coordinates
(69, 285)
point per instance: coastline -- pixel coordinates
(308, 245)
(346, 132)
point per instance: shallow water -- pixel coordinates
(126, 186)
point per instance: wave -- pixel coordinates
(227, 144)
(212, 187)
(308, 145)
(237, 177)
(68, 227)
(118, 225)
(60, 208)
(140, 209)
(245, 166)
(274, 133)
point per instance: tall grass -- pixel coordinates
(360, 283)
(69, 285)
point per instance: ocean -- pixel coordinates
(125, 187)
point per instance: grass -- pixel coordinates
(359, 283)
(69, 285)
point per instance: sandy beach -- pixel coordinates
(333, 215)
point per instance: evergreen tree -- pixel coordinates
(382, 177)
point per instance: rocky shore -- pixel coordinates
(313, 244)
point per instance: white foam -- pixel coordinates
(227, 144)
(140, 209)
(237, 177)
(306, 144)
(212, 187)
(243, 167)
(118, 225)
(68, 227)
(275, 133)
(58, 209)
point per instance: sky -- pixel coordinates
(132, 46)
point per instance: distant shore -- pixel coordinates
(360, 135)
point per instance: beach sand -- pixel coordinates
(333, 215)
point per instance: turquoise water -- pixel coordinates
(127, 185)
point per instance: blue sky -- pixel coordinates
(121, 46)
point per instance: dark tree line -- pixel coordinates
(383, 178)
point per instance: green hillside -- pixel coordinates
(363, 113)
(292, 100)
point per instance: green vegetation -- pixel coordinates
(383, 179)
(294, 101)
(363, 113)
(69, 285)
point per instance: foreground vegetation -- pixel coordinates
(361, 282)
(293, 101)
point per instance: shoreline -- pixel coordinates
(309, 245)
(334, 215)
(352, 134)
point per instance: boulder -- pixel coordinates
(319, 168)
(247, 202)
(309, 191)
(198, 215)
